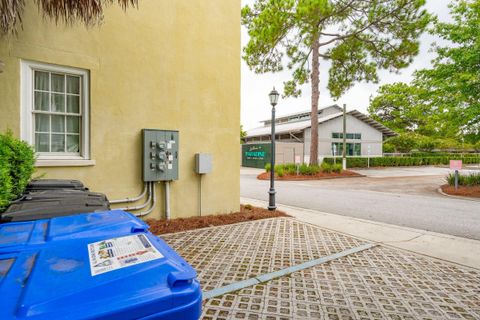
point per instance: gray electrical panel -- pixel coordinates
(160, 155)
(203, 163)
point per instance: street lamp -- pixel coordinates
(273, 95)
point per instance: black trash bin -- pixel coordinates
(50, 199)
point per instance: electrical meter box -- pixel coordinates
(160, 155)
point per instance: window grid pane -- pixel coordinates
(57, 95)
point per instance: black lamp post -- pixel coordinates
(271, 200)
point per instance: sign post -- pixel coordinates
(335, 153)
(368, 157)
(456, 165)
(297, 162)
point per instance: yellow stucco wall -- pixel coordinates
(168, 65)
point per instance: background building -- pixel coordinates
(364, 135)
(81, 97)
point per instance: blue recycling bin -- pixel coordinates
(93, 266)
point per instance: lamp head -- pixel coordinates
(273, 95)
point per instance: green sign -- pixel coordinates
(255, 155)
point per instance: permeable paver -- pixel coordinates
(231, 253)
(378, 283)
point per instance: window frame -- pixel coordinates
(27, 133)
(351, 146)
(350, 136)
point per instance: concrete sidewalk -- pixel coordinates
(445, 247)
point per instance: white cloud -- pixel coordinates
(255, 87)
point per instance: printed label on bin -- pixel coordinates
(116, 253)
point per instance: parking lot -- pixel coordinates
(375, 283)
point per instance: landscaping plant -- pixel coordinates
(337, 168)
(17, 161)
(326, 167)
(464, 179)
(305, 169)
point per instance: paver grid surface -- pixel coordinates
(231, 253)
(379, 283)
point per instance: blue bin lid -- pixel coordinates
(63, 280)
(40, 232)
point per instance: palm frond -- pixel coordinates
(10, 15)
(68, 11)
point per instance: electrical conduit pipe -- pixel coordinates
(144, 213)
(145, 187)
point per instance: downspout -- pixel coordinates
(132, 199)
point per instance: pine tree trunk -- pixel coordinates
(315, 78)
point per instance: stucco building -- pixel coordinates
(81, 96)
(364, 135)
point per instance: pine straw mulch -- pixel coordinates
(464, 191)
(318, 176)
(246, 213)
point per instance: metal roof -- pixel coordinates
(288, 115)
(299, 126)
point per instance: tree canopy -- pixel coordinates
(444, 100)
(357, 37)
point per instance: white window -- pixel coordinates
(54, 116)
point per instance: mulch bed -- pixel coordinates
(465, 191)
(318, 176)
(247, 213)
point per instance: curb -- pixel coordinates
(439, 190)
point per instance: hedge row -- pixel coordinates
(442, 154)
(360, 162)
(17, 161)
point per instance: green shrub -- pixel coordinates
(449, 144)
(404, 142)
(290, 168)
(17, 161)
(308, 170)
(427, 144)
(279, 171)
(267, 167)
(476, 146)
(388, 148)
(326, 167)
(303, 169)
(338, 168)
(464, 179)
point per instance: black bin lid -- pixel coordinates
(60, 194)
(50, 208)
(49, 184)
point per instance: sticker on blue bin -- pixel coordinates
(116, 253)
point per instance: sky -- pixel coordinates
(255, 105)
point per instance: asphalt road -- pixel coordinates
(395, 196)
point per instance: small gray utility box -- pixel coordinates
(203, 163)
(160, 155)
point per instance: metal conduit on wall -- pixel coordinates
(127, 200)
(143, 213)
(149, 187)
